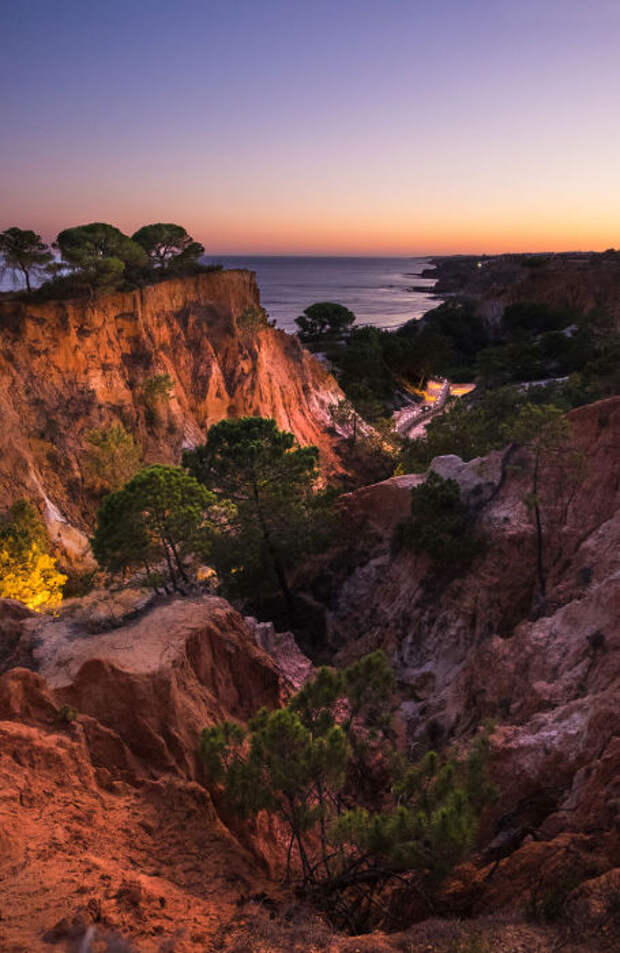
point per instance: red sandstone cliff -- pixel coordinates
(69, 366)
(478, 645)
(102, 820)
(105, 826)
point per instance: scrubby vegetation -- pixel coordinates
(472, 427)
(531, 343)
(252, 320)
(28, 570)
(440, 524)
(111, 457)
(321, 765)
(155, 395)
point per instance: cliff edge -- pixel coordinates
(67, 367)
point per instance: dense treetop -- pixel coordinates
(325, 318)
(168, 245)
(98, 257)
(23, 252)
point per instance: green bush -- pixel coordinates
(111, 457)
(440, 524)
(252, 320)
(298, 763)
(156, 393)
(159, 518)
(324, 319)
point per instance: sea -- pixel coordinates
(380, 291)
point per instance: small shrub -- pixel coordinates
(111, 457)
(470, 943)
(28, 571)
(504, 706)
(440, 524)
(79, 583)
(156, 392)
(252, 320)
(584, 575)
(547, 904)
(67, 714)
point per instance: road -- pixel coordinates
(411, 421)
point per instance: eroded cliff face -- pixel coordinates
(106, 827)
(67, 367)
(479, 645)
(581, 286)
(103, 820)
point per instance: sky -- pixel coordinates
(370, 127)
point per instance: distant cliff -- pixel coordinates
(67, 367)
(582, 282)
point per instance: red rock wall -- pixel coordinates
(69, 366)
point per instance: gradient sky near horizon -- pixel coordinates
(321, 127)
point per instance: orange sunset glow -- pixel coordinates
(482, 127)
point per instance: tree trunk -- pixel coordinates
(319, 791)
(275, 560)
(288, 859)
(173, 578)
(26, 275)
(177, 559)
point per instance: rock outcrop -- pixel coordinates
(158, 675)
(103, 819)
(67, 367)
(106, 835)
(482, 646)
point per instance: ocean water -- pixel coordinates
(379, 291)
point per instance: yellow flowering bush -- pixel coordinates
(28, 572)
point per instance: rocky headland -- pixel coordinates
(580, 281)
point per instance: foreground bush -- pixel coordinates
(28, 571)
(307, 764)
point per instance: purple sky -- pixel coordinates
(308, 127)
